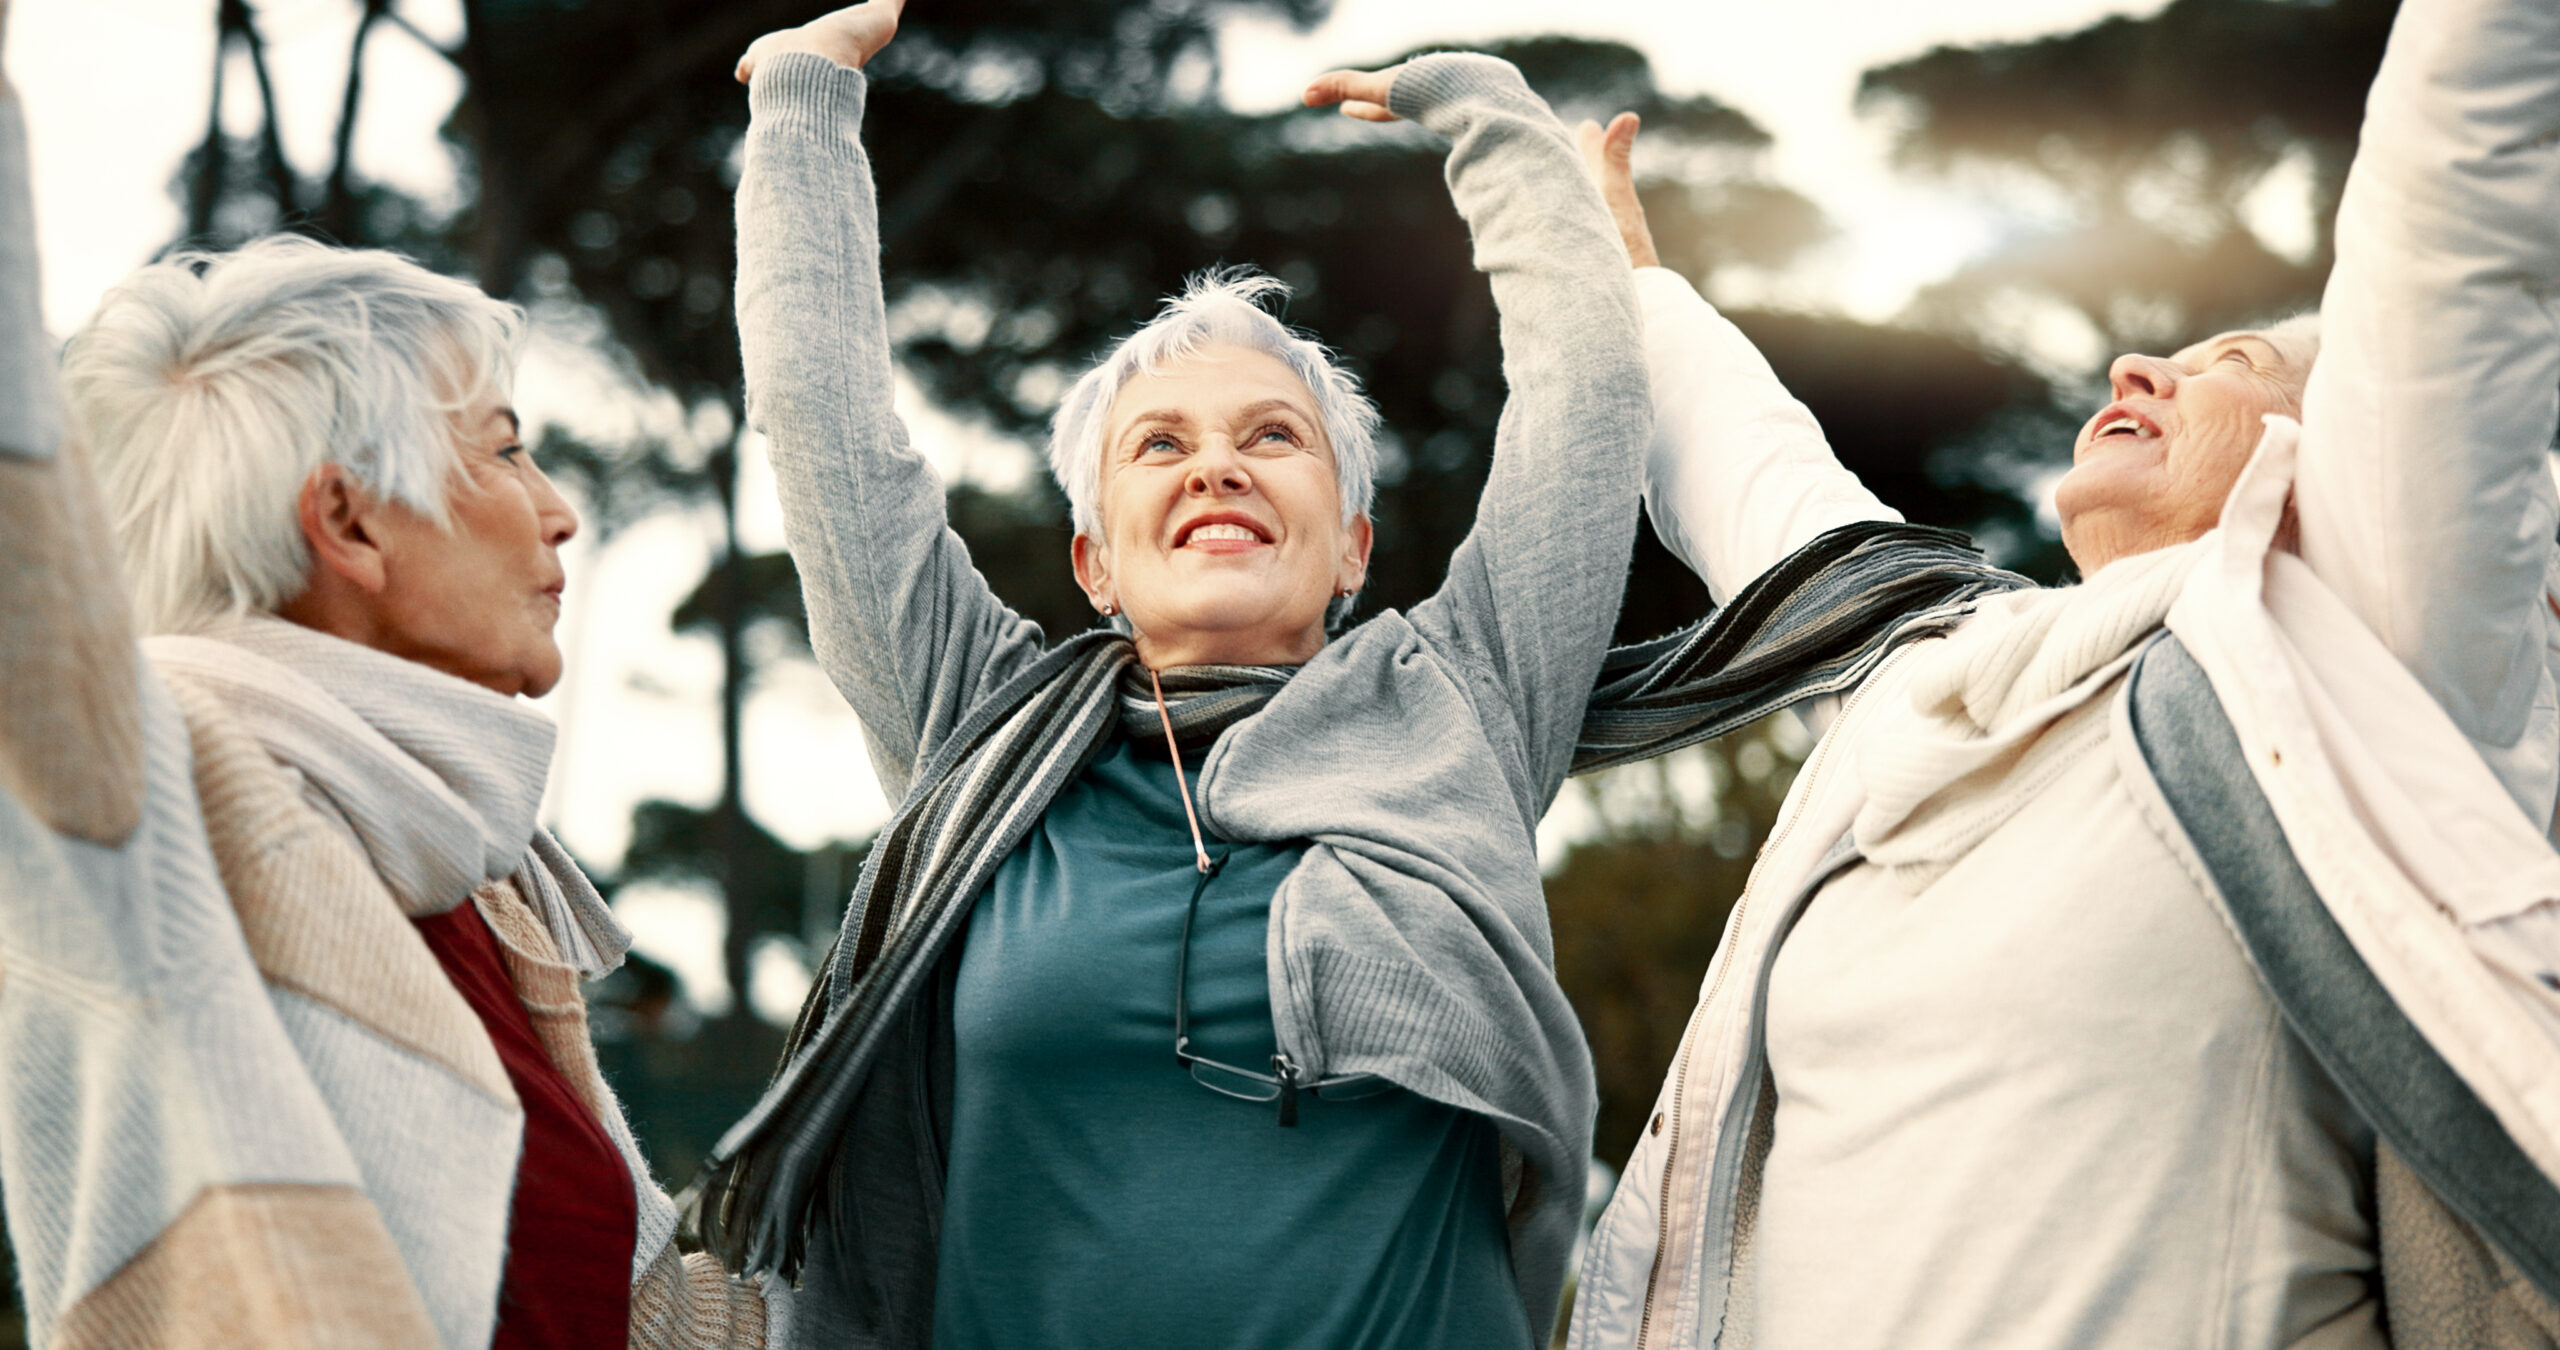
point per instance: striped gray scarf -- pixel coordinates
(1815, 624)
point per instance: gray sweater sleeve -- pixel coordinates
(1533, 590)
(899, 617)
(30, 412)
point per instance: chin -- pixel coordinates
(543, 679)
(539, 673)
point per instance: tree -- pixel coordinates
(236, 188)
(1045, 172)
(1034, 203)
(1640, 907)
(2152, 133)
(619, 200)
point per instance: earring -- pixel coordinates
(1109, 609)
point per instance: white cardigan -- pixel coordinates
(2427, 523)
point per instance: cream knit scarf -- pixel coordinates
(437, 778)
(1983, 732)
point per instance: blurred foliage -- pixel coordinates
(1022, 234)
(1021, 548)
(682, 1082)
(674, 842)
(2152, 133)
(1026, 225)
(1640, 906)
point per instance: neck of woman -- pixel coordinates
(1243, 647)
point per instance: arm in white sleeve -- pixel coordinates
(2424, 498)
(1739, 475)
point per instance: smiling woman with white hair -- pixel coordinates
(1200, 992)
(296, 1053)
(1222, 310)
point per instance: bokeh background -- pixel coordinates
(1937, 220)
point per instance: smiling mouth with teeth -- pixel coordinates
(1237, 533)
(2123, 426)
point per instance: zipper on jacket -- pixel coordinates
(1670, 1157)
(1732, 938)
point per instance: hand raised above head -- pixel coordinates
(1362, 93)
(1608, 154)
(850, 37)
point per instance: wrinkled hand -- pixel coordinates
(1608, 154)
(1362, 93)
(850, 37)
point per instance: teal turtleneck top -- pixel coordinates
(1098, 1196)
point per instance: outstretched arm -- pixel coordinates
(2423, 491)
(1533, 590)
(1738, 475)
(898, 616)
(70, 725)
(133, 1001)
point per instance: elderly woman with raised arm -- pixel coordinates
(292, 1050)
(2171, 959)
(1200, 990)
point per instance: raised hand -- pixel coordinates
(1608, 154)
(849, 37)
(1362, 93)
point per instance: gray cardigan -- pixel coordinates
(1417, 751)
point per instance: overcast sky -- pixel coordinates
(117, 91)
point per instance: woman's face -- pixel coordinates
(2153, 468)
(1222, 530)
(477, 598)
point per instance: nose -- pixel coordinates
(2134, 373)
(559, 520)
(1216, 470)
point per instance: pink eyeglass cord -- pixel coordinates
(1199, 849)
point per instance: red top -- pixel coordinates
(573, 1220)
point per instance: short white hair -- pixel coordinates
(2298, 335)
(1218, 307)
(208, 387)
